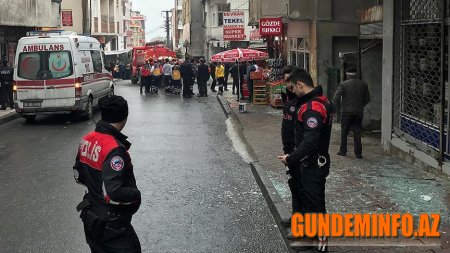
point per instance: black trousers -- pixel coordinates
(110, 237)
(353, 122)
(225, 84)
(310, 182)
(202, 89)
(6, 95)
(250, 90)
(187, 87)
(221, 81)
(214, 82)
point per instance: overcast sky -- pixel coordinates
(152, 9)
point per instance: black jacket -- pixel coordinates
(313, 127)
(104, 166)
(203, 72)
(212, 66)
(290, 109)
(6, 74)
(353, 95)
(187, 70)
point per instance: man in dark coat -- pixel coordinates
(202, 78)
(353, 95)
(188, 76)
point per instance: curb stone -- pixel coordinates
(277, 208)
(9, 117)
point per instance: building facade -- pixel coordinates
(317, 36)
(108, 25)
(177, 26)
(193, 16)
(415, 82)
(21, 16)
(137, 27)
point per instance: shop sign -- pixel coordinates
(66, 17)
(270, 27)
(233, 26)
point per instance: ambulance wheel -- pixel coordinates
(29, 118)
(89, 111)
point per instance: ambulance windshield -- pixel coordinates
(45, 65)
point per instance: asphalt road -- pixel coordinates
(198, 194)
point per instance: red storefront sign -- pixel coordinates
(66, 17)
(233, 33)
(270, 27)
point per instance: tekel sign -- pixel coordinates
(233, 25)
(270, 27)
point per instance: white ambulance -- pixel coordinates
(59, 72)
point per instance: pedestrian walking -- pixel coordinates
(187, 74)
(227, 73)
(176, 79)
(212, 71)
(352, 95)
(6, 85)
(104, 166)
(202, 78)
(220, 76)
(236, 71)
(167, 76)
(311, 156)
(122, 70)
(252, 68)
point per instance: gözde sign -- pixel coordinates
(270, 26)
(233, 25)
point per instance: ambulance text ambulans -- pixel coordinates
(59, 73)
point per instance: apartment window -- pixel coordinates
(299, 52)
(218, 16)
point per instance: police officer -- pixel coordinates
(310, 157)
(290, 109)
(188, 75)
(104, 166)
(6, 80)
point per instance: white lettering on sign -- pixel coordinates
(271, 30)
(90, 151)
(43, 47)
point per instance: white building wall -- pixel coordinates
(77, 15)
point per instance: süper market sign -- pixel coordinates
(270, 27)
(233, 25)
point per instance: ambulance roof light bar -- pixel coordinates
(49, 33)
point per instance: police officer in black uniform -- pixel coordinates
(310, 157)
(104, 166)
(6, 81)
(288, 135)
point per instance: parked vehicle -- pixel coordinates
(59, 72)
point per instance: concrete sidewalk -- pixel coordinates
(8, 115)
(375, 184)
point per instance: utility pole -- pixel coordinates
(167, 29)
